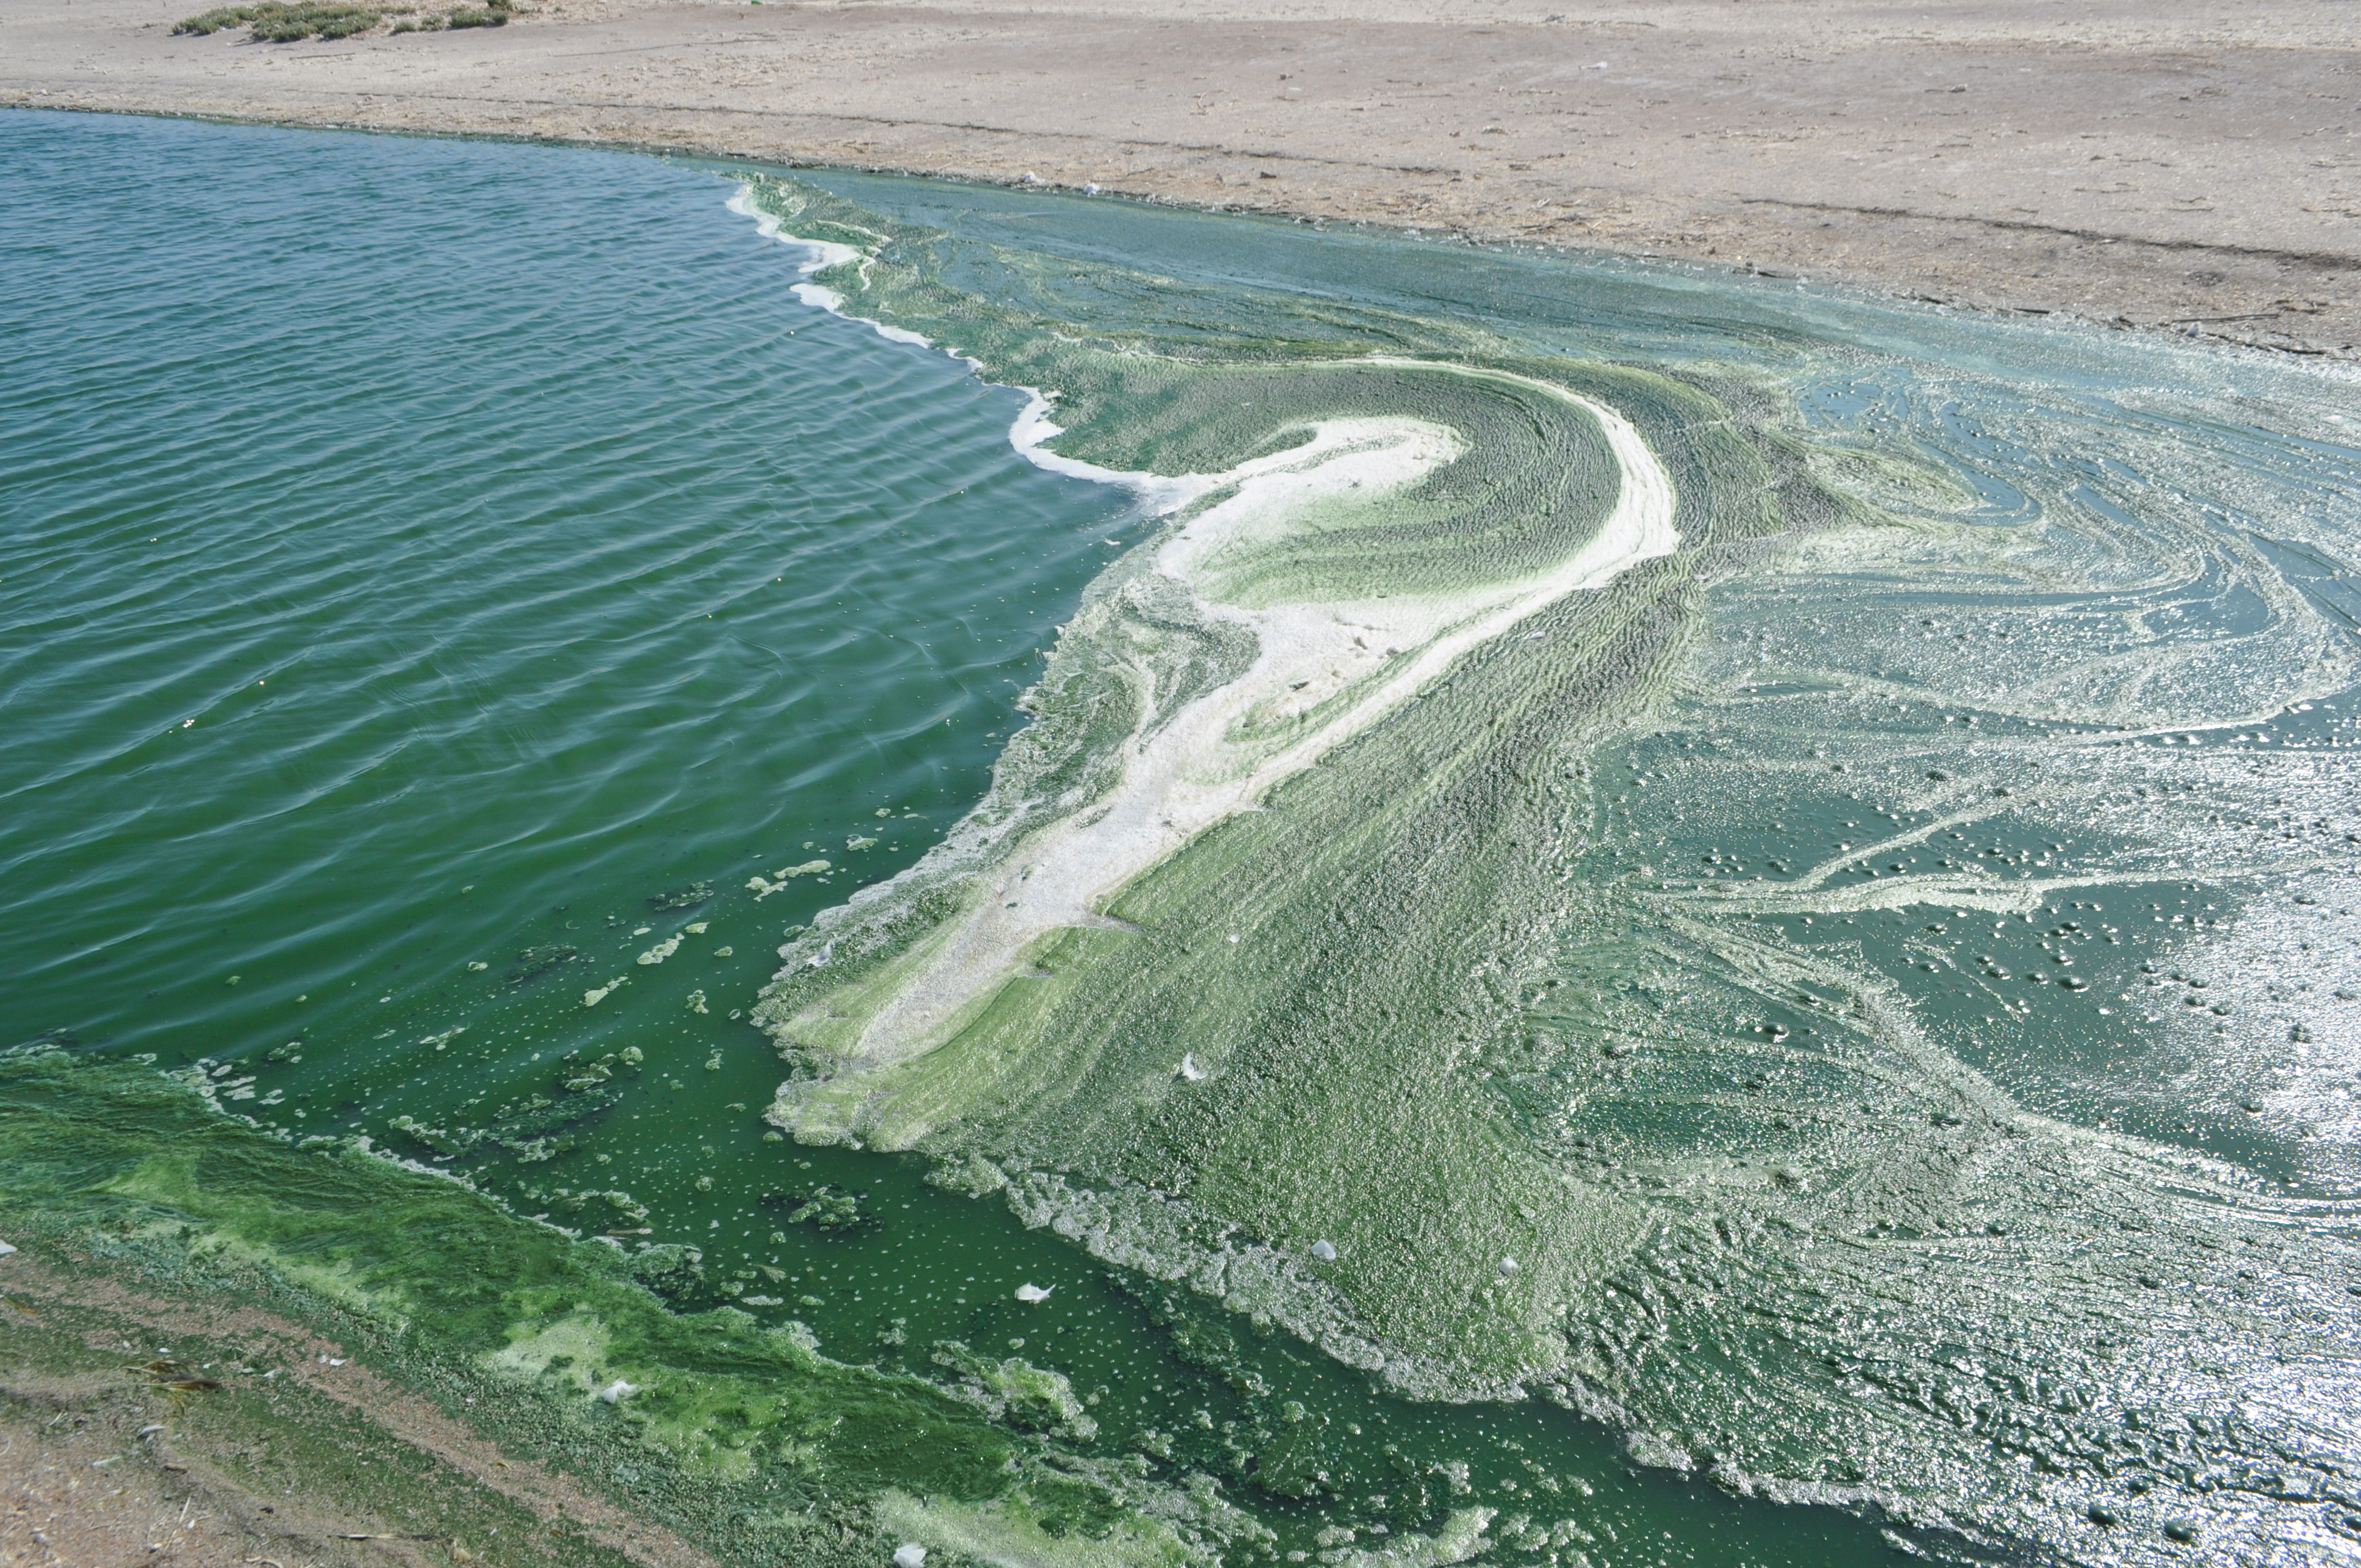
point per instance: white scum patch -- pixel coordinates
(764, 887)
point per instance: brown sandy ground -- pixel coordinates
(136, 1429)
(2193, 166)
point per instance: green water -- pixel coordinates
(1734, 1022)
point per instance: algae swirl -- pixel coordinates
(1323, 943)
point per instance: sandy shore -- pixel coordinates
(2176, 165)
(104, 1459)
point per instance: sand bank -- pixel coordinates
(2179, 166)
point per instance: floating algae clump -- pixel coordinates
(829, 1207)
(1450, 784)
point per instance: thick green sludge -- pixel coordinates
(1465, 1050)
(741, 1438)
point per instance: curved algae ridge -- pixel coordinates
(1322, 673)
(1187, 694)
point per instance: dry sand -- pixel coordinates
(2192, 166)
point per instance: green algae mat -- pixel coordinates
(915, 873)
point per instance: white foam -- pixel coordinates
(825, 254)
(1032, 428)
(821, 254)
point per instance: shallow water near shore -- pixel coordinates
(1858, 1003)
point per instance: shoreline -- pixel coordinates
(190, 1443)
(2185, 328)
(1945, 161)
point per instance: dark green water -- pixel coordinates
(438, 575)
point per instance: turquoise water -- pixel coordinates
(442, 574)
(407, 568)
(426, 553)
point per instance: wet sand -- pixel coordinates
(2193, 168)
